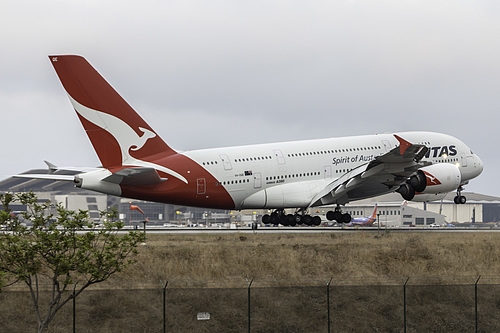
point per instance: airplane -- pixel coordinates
(298, 175)
(364, 221)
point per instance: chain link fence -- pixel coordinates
(414, 304)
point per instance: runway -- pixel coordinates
(299, 230)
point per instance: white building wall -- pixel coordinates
(76, 202)
(458, 213)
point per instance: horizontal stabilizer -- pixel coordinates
(53, 168)
(51, 176)
(135, 176)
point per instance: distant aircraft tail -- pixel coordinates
(119, 135)
(373, 218)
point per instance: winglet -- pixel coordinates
(52, 167)
(403, 144)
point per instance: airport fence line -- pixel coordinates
(409, 304)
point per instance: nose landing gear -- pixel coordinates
(459, 198)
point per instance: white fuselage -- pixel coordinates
(290, 174)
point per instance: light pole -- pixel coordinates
(378, 223)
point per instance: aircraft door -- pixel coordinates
(463, 160)
(226, 162)
(257, 180)
(279, 156)
(387, 145)
(328, 171)
(201, 187)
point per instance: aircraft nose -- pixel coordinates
(478, 166)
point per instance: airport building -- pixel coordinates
(392, 209)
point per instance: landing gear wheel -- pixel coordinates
(460, 199)
(274, 218)
(285, 221)
(316, 220)
(291, 220)
(337, 216)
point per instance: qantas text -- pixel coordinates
(440, 151)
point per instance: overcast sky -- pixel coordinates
(217, 73)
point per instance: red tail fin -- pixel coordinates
(374, 215)
(119, 135)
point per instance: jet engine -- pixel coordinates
(433, 179)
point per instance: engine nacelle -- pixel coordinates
(441, 178)
(418, 181)
(426, 197)
(431, 183)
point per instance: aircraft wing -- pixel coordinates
(382, 175)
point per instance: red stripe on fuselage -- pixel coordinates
(175, 191)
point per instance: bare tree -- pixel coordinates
(65, 251)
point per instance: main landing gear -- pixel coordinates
(280, 217)
(338, 216)
(459, 198)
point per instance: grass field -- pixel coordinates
(283, 257)
(210, 271)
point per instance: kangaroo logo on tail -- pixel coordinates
(147, 134)
(127, 138)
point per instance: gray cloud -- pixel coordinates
(207, 74)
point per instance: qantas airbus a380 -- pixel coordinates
(137, 163)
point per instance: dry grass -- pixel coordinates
(293, 260)
(281, 257)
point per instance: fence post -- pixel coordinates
(328, 302)
(165, 307)
(475, 301)
(249, 285)
(74, 311)
(404, 304)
